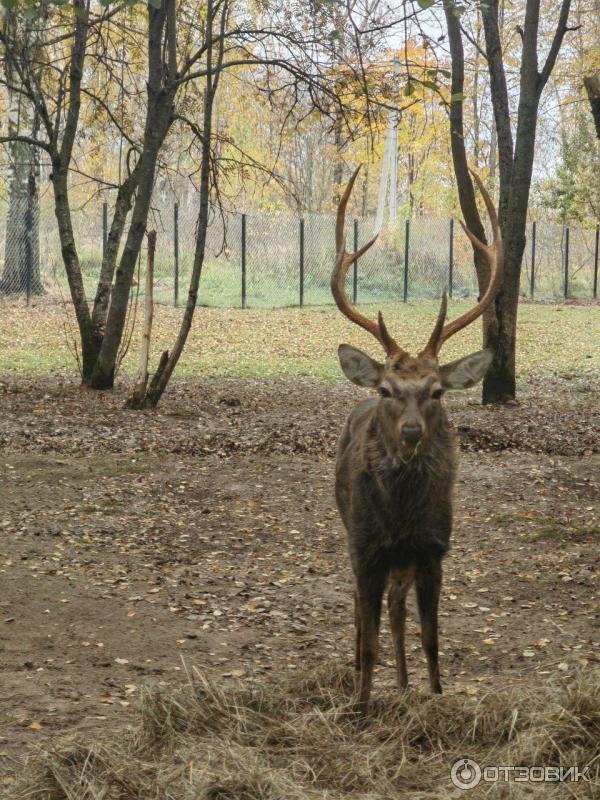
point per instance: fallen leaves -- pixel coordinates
(281, 343)
(207, 533)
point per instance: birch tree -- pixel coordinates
(21, 269)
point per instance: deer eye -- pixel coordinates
(384, 391)
(437, 394)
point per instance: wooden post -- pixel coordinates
(301, 263)
(29, 236)
(566, 292)
(243, 261)
(355, 266)
(451, 257)
(138, 396)
(595, 289)
(406, 247)
(176, 253)
(533, 237)
(104, 228)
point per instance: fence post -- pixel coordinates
(243, 261)
(406, 246)
(532, 281)
(355, 266)
(451, 256)
(176, 253)
(566, 292)
(301, 263)
(28, 236)
(104, 228)
(595, 291)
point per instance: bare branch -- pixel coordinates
(559, 35)
(26, 140)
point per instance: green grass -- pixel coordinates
(268, 283)
(538, 526)
(552, 339)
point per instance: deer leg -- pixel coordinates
(401, 583)
(357, 628)
(370, 595)
(429, 582)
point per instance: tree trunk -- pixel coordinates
(169, 361)
(159, 119)
(466, 192)
(90, 341)
(499, 385)
(59, 177)
(159, 116)
(21, 271)
(109, 257)
(592, 87)
(338, 164)
(136, 401)
(503, 138)
(476, 100)
(515, 167)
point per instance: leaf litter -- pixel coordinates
(205, 535)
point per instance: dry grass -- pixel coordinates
(300, 739)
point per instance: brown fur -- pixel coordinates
(395, 502)
(396, 461)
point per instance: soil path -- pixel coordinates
(134, 547)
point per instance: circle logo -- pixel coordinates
(465, 773)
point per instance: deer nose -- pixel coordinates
(412, 433)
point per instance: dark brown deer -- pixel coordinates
(396, 464)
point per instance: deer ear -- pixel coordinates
(358, 366)
(466, 371)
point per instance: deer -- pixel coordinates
(396, 463)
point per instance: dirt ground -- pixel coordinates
(134, 546)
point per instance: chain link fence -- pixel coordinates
(265, 260)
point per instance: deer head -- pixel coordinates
(411, 387)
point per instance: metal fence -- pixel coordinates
(261, 260)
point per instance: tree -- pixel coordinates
(286, 63)
(573, 192)
(215, 46)
(515, 165)
(216, 15)
(21, 272)
(53, 81)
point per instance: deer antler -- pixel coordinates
(494, 255)
(342, 264)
